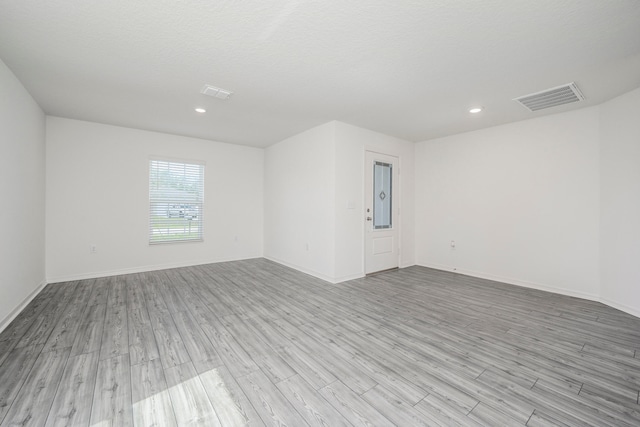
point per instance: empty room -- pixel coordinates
(320, 213)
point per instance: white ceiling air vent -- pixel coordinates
(216, 92)
(553, 97)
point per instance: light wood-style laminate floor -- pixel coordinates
(255, 343)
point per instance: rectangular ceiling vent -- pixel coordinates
(553, 97)
(216, 92)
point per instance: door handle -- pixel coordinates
(368, 218)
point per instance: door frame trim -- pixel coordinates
(398, 198)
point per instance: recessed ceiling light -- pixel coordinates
(200, 110)
(475, 110)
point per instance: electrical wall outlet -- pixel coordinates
(93, 249)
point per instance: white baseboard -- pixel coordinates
(348, 277)
(516, 282)
(9, 318)
(562, 291)
(142, 269)
(406, 265)
(302, 269)
(332, 280)
(117, 272)
(532, 285)
(622, 307)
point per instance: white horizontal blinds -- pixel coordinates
(176, 196)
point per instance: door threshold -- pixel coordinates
(388, 270)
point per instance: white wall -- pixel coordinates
(299, 202)
(620, 202)
(97, 193)
(550, 203)
(351, 144)
(521, 202)
(22, 191)
(314, 199)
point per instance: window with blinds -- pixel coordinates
(176, 197)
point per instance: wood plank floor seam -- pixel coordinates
(64, 367)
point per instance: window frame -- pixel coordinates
(185, 206)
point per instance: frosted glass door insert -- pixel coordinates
(382, 173)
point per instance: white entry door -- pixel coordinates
(381, 212)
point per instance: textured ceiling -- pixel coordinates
(407, 68)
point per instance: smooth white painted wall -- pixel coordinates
(521, 202)
(620, 202)
(22, 191)
(97, 193)
(351, 144)
(299, 202)
(311, 182)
